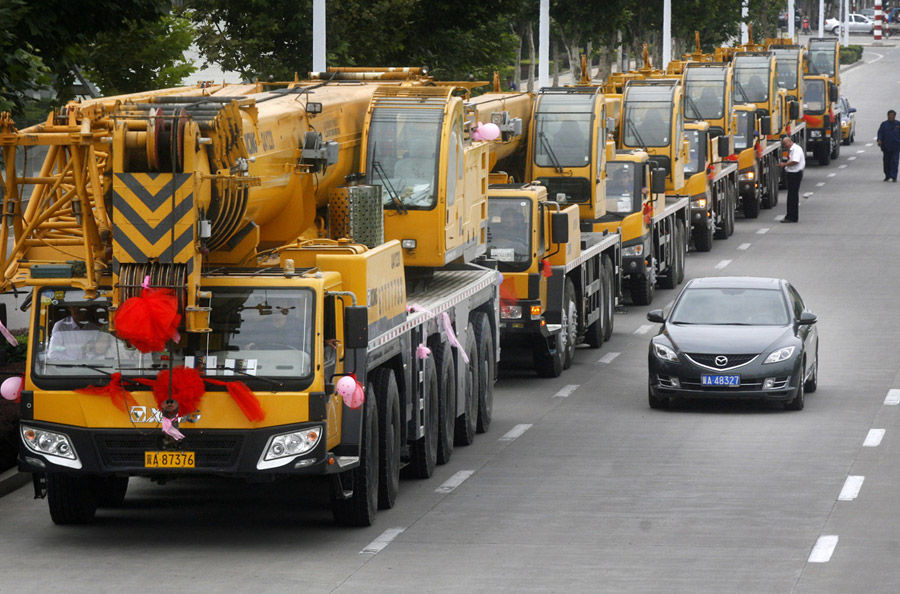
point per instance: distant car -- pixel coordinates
(734, 338)
(869, 13)
(858, 24)
(893, 15)
(848, 120)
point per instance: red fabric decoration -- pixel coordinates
(149, 321)
(508, 292)
(759, 149)
(243, 397)
(119, 396)
(187, 388)
(647, 211)
(546, 269)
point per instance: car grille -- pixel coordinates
(710, 360)
(126, 450)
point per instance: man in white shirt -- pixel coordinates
(793, 174)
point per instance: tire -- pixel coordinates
(360, 508)
(389, 433)
(798, 401)
(703, 238)
(823, 155)
(111, 491)
(443, 360)
(657, 402)
(611, 291)
(423, 451)
(812, 384)
(486, 367)
(731, 202)
(547, 355)
(570, 325)
(836, 151)
(642, 288)
(751, 208)
(72, 499)
(721, 230)
(467, 423)
(670, 280)
(682, 252)
(773, 186)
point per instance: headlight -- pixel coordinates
(815, 134)
(282, 447)
(49, 443)
(511, 312)
(780, 355)
(633, 250)
(699, 202)
(748, 176)
(664, 352)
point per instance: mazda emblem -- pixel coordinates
(721, 360)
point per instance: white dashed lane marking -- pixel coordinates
(820, 184)
(807, 195)
(832, 174)
(893, 397)
(382, 541)
(744, 247)
(860, 151)
(566, 391)
(842, 166)
(851, 158)
(780, 217)
(454, 481)
(722, 264)
(868, 144)
(645, 328)
(762, 231)
(851, 488)
(824, 548)
(607, 358)
(873, 438)
(515, 432)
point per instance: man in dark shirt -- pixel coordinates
(889, 141)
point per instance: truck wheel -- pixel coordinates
(594, 334)
(682, 251)
(703, 238)
(72, 499)
(360, 508)
(721, 231)
(835, 149)
(751, 207)
(547, 355)
(423, 451)
(110, 490)
(486, 366)
(384, 387)
(570, 325)
(823, 155)
(642, 288)
(466, 424)
(729, 210)
(443, 359)
(611, 294)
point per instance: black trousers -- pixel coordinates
(792, 180)
(890, 159)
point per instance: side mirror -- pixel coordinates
(658, 180)
(656, 316)
(807, 318)
(794, 110)
(826, 121)
(832, 92)
(356, 327)
(765, 125)
(559, 227)
(851, 110)
(724, 148)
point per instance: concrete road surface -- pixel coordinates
(579, 486)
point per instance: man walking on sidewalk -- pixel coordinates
(793, 174)
(889, 141)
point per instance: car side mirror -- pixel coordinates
(656, 316)
(851, 110)
(832, 92)
(807, 318)
(724, 146)
(658, 180)
(559, 227)
(794, 110)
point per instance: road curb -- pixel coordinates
(12, 479)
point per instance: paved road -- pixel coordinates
(579, 486)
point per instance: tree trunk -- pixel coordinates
(604, 63)
(589, 52)
(531, 57)
(572, 55)
(517, 76)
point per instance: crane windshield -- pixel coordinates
(648, 116)
(256, 333)
(821, 59)
(623, 194)
(509, 233)
(704, 91)
(563, 130)
(814, 96)
(786, 68)
(403, 147)
(751, 80)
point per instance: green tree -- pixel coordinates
(21, 69)
(140, 56)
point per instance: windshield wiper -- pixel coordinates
(243, 373)
(690, 103)
(382, 177)
(634, 130)
(546, 144)
(96, 368)
(740, 89)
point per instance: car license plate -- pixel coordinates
(720, 380)
(168, 459)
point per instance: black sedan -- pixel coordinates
(735, 337)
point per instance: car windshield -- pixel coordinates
(563, 130)
(621, 178)
(402, 155)
(509, 233)
(255, 332)
(751, 82)
(814, 96)
(704, 91)
(742, 307)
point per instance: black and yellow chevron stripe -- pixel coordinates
(144, 214)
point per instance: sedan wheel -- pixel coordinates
(798, 400)
(812, 383)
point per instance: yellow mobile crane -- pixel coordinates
(232, 199)
(822, 82)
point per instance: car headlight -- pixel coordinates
(664, 352)
(699, 202)
(780, 355)
(633, 250)
(48, 443)
(747, 176)
(281, 448)
(511, 312)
